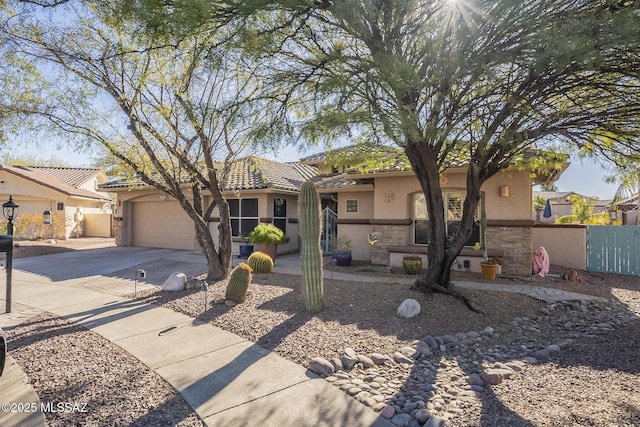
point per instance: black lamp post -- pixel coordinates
(10, 212)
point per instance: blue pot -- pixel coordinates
(342, 258)
(246, 250)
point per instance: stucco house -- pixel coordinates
(72, 192)
(387, 204)
(384, 206)
(258, 190)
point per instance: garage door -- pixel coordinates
(162, 225)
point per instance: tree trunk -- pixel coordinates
(442, 250)
(218, 261)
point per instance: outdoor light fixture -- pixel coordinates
(504, 191)
(141, 274)
(205, 288)
(46, 217)
(10, 211)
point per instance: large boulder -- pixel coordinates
(409, 308)
(175, 282)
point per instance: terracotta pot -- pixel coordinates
(270, 249)
(489, 271)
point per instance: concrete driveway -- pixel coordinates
(80, 268)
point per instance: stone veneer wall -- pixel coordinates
(516, 243)
(117, 230)
(389, 235)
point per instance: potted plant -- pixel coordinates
(412, 264)
(489, 266)
(246, 248)
(539, 203)
(341, 249)
(267, 237)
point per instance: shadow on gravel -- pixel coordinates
(591, 378)
(114, 390)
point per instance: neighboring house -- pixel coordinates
(626, 210)
(258, 190)
(70, 191)
(387, 206)
(561, 206)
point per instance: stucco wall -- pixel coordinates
(97, 225)
(365, 205)
(358, 234)
(565, 244)
(393, 195)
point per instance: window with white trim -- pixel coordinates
(280, 214)
(453, 202)
(244, 216)
(352, 206)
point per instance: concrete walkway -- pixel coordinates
(226, 379)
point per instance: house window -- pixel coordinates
(244, 216)
(280, 214)
(453, 205)
(352, 206)
(60, 206)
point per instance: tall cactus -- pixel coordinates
(239, 283)
(311, 257)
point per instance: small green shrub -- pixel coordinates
(267, 233)
(601, 218)
(340, 243)
(567, 219)
(260, 262)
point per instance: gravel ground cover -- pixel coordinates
(592, 379)
(101, 384)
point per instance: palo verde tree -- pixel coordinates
(171, 114)
(473, 82)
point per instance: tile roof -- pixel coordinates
(63, 180)
(336, 181)
(76, 177)
(256, 173)
(250, 173)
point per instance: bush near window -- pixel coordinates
(30, 227)
(267, 233)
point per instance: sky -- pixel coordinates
(582, 176)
